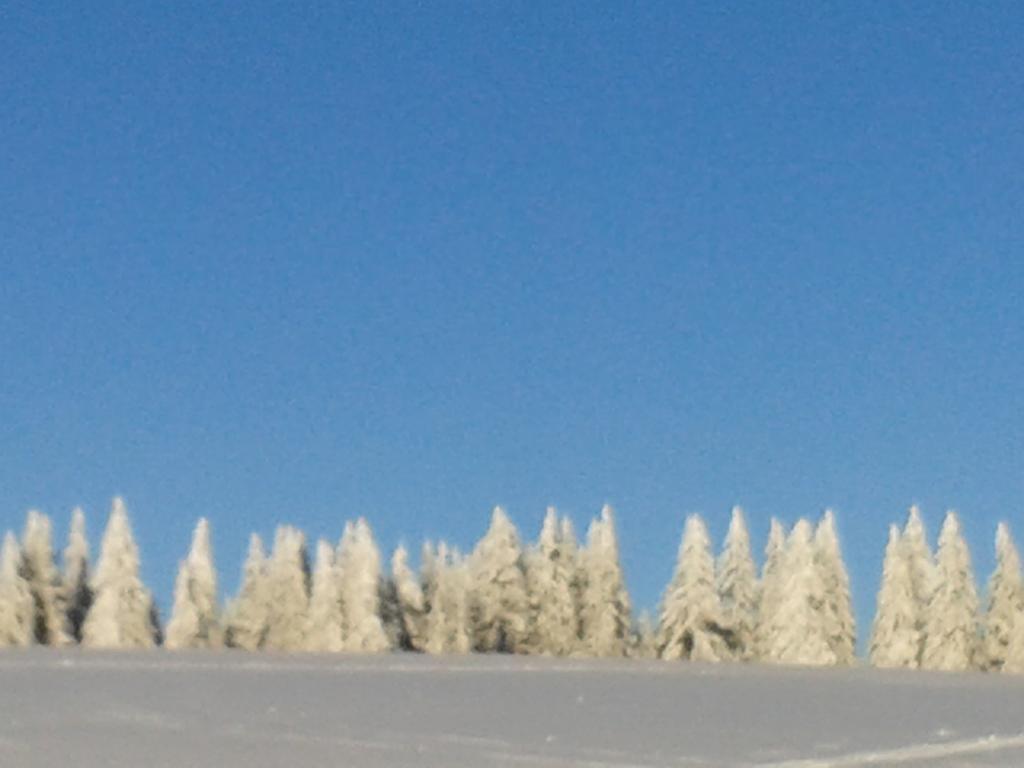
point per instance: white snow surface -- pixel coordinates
(233, 709)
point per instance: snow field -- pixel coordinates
(232, 709)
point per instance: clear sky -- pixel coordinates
(266, 264)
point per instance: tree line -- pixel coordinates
(556, 596)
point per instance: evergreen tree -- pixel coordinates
(75, 595)
(17, 610)
(605, 612)
(1014, 654)
(40, 571)
(359, 562)
(500, 607)
(952, 640)
(287, 591)
(248, 614)
(1005, 614)
(362, 587)
(325, 623)
(736, 582)
(770, 593)
(895, 636)
(922, 572)
(194, 621)
(798, 630)
(448, 621)
(429, 569)
(838, 609)
(577, 580)
(550, 574)
(412, 607)
(691, 625)
(122, 614)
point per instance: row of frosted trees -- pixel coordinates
(554, 597)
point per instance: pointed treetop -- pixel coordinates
(695, 534)
(827, 524)
(737, 524)
(801, 533)
(1003, 538)
(399, 559)
(117, 548)
(550, 531)
(894, 537)
(118, 509)
(950, 527)
(915, 526)
(201, 539)
(77, 549)
(256, 553)
(601, 534)
(825, 535)
(37, 530)
(78, 522)
(501, 524)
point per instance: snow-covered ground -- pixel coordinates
(156, 709)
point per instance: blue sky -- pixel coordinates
(272, 265)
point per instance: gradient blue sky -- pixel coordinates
(268, 265)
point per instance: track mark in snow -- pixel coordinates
(909, 754)
(474, 741)
(138, 718)
(505, 758)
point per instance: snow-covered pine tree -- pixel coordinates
(359, 564)
(551, 570)
(412, 608)
(247, 615)
(574, 562)
(75, 594)
(447, 628)
(690, 625)
(798, 629)
(952, 639)
(605, 613)
(194, 621)
(1005, 614)
(736, 582)
(325, 622)
(391, 616)
(770, 592)
(287, 591)
(500, 606)
(922, 572)
(1014, 662)
(17, 610)
(895, 635)
(122, 613)
(838, 609)
(40, 571)
(429, 569)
